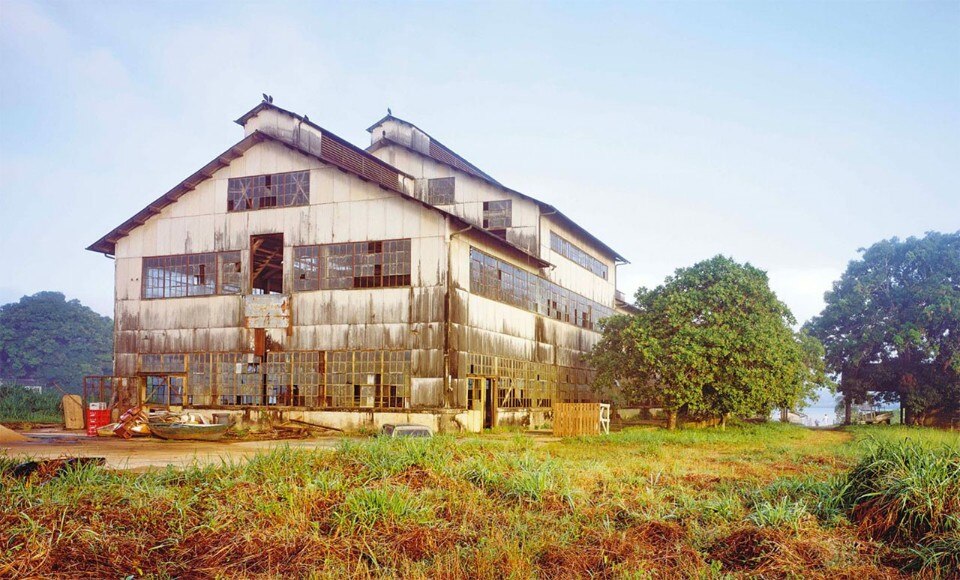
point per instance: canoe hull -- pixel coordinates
(188, 432)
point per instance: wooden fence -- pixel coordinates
(575, 419)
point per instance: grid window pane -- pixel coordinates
(570, 251)
(498, 280)
(231, 273)
(497, 214)
(266, 191)
(374, 264)
(440, 191)
(191, 275)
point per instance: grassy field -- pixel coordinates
(770, 500)
(19, 405)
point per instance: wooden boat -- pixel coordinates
(189, 431)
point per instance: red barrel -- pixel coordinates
(96, 418)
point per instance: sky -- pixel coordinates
(783, 134)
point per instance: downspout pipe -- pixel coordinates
(447, 312)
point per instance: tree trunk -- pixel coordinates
(671, 419)
(847, 410)
(784, 415)
(723, 421)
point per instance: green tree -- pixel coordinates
(712, 340)
(892, 325)
(50, 339)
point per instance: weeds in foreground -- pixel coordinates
(908, 495)
(646, 504)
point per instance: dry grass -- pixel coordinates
(645, 503)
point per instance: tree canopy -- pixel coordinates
(712, 340)
(892, 324)
(50, 339)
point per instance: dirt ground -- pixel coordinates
(147, 452)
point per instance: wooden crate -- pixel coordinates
(575, 419)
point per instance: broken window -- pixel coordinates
(265, 191)
(519, 383)
(504, 282)
(375, 264)
(165, 390)
(231, 277)
(375, 378)
(184, 275)
(266, 264)
(440, 191)
(568, 250)
(497, 215)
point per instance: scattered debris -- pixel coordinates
(47, 469)
(316, 425)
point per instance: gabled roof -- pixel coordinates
(337, 152)
(107, 244)
(441, 152)
(446, 156)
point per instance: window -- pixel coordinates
(498, 280)
(190, 275)
(497, 215)
(289, 378)
(265, 191)
(519, 383)
(374, 378)
(231, 278)
(375, 264)
(440, 191)
(576, 255)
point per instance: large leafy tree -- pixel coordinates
(47, 338)
(713, 339)
(892, 324)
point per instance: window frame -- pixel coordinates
(201, 270)
(268, 191)
(384, 264)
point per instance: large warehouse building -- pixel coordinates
(299, 274)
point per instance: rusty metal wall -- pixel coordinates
(343, 208)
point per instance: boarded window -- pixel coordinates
(440, 191)
(572, 252)
(497, 215)
(504, 282)
(266, 191)
(187, 275)
(375, 264)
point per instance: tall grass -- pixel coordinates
(20, 405)
(752, 500)
(908, 494)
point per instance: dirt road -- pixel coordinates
(143, 453)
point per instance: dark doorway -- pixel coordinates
(266, 264)
(490, 416)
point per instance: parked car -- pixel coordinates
(405, 430)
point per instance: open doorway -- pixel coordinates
(490, 393)
(266, 264)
